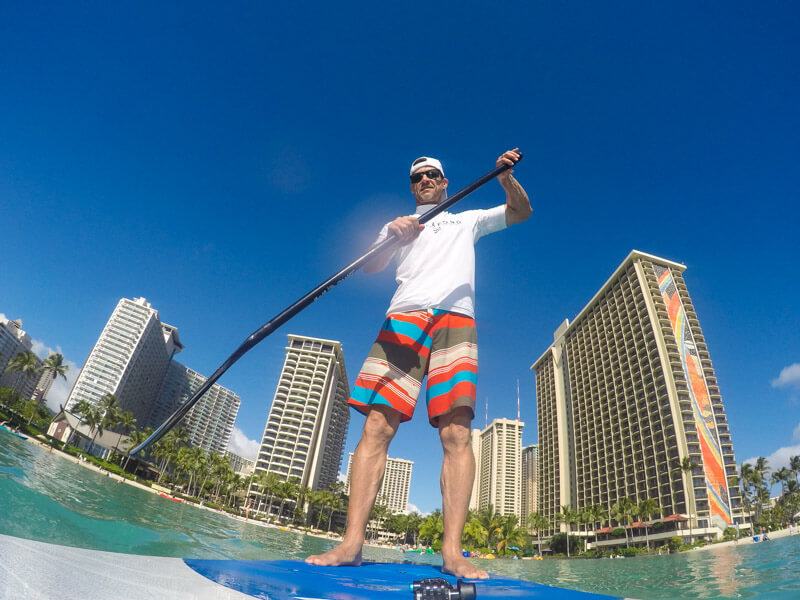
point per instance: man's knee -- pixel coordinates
(454, 429)
(381, 425)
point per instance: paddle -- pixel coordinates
(289, 312)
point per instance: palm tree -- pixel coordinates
(30, 409)
(474, 533)
(126, 422)
(379, 513)
(412, 526)
(490, 524)
(623, 511)
(511, 534)
(103, 415)
(302, 495)
(317, 499)
(758, 479)
(569, 517)
(647, 508)
(539, 522)
(333, 503)
(165, 450)
(596, 514)
(135, 438)
(794, 466)
(55, 367)
(287, 489)
(782, 476)
(432, 527)
(24, 362)
(686, 466)
(266, 484)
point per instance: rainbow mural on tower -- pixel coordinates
(713, 464)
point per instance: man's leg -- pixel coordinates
(458, 473)
(369, 463)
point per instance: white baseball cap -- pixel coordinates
(426, 161)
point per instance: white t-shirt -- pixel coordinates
(437, 270)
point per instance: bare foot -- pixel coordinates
(337, 557)
(461, 567)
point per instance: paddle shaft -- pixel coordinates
(289, 312)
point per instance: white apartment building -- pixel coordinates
(129, 360)
(499, 467)
(395, 486)
(241, 465)
(305, 430)
(14, 340)
(210, 422)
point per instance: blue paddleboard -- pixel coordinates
(41, 571)
(295, 580)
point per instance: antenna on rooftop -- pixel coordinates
(486, 416)
(517, 400)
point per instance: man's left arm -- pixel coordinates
(518, 206)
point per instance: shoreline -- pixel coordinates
(333, 537)
(168, 496)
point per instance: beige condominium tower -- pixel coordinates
(395, 485)
(498, 472)
(625, 393)
(530, 500)
(306, 426)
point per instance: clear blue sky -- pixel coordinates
(221, 160)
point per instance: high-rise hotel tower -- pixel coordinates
(306, 426)
(133, 359)
(625, 393)
(530, 499)
(129, 360)
(209, 423)
(395, 485)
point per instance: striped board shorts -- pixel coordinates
(440, 344)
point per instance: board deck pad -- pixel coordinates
(296, 580)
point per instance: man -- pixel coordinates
(429, 330)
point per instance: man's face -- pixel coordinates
(429, 189)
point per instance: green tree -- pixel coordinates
(54, 367)
(511, 534)
(781, 476)
(596, 515)
(333, 503)
(794, 466)
(266, 484)
(538, 522)
(686, 466)
(29, 410)
(569, 517)
(647, 508)
(489, 523)
(377, 515)
(432, 528)
(623, 511)
(286, 490)
(135, 438)
(26, 363)
(413, 523)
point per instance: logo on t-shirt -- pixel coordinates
(436, 226)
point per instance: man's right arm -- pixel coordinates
(405, 230)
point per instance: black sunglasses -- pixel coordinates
(432, 174)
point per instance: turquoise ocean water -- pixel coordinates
(47, 498)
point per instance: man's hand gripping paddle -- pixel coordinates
(302, 303)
